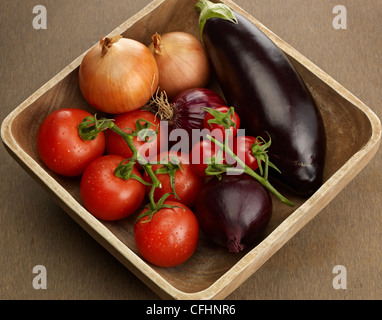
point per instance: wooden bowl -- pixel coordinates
(353, 132)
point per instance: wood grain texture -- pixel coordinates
(34, 230)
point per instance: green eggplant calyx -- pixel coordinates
(208, 10)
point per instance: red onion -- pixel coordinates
(234, 211)
(185, 110)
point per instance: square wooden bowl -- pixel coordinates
(353, 131)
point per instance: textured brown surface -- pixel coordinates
(34, 230)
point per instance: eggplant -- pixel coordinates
(268, 94)
(234, 211)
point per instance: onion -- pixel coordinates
(118, 75)
(233, 212)
(185, 111)
(182, 62)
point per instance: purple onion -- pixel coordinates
(185, 110)
(233, 212)
(188, 113)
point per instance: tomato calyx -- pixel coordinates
(125, 171)
(170, 168)
(144, 131)
(153, 208)
(216, 165)
(222, 118)
(90, 127)
(260, 152)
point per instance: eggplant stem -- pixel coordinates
(208, 10)
(252, 173)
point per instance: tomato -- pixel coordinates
(242, 147)
(199, 155)
(115, 144)
(221, 130)
(170, 237)
(105, 195)
(61, 148)
(187, 183)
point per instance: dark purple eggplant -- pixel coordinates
(233, 211)
(269, 95)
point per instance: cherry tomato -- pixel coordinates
(170, 237)
(107, 196)
(221, 130)
(115, 144)
(242, 147)
(187, 183)
(199, 155)
(61, 148)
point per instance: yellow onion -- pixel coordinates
(182, 62)
(118, 75)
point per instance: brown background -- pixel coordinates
(34, 230)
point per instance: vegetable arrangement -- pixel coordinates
(172, 151)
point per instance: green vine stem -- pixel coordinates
(90, 127)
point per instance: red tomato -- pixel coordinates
(169, 238)
(61, 148)
(115, 144)
(242, 147)
(221, 130)
(105, 195)
(199, 155)
(187, 183)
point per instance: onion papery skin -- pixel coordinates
(187, 109)
(182, 62)
(122, 79)
(234, 212)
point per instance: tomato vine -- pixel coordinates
(90, 127)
